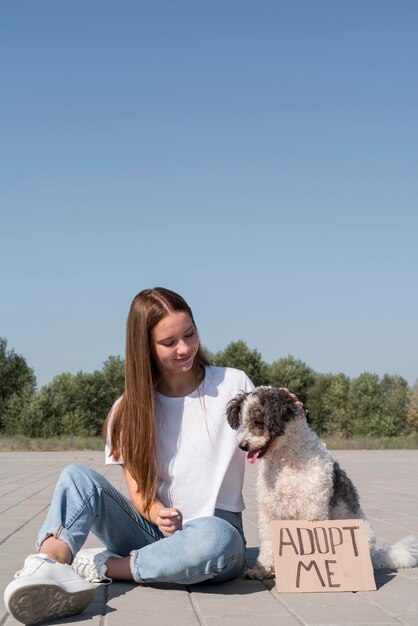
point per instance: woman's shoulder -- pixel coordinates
(117, 402)
(115, 405)
(112, 411)
(228, 377)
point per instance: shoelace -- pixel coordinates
(88, 569)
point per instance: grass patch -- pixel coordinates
(403, 442)
(73, 442)
(68, 442)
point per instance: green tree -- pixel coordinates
(293, 374)
(208, 354)
(19, 412)
(76, 404)
(17, 387)
(98, 391)
(412, 407)
(366, 402)
(395, 406)
(327, 402)
(319, 417)
(337, 405)
(55, 411)
(238, 355)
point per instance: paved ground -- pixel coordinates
(388, 486)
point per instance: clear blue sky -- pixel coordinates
(259, 157)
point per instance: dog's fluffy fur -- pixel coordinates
(297, 477)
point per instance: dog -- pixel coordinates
(297, 477)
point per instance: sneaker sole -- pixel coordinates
(34, 604)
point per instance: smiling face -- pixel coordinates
(175, 344)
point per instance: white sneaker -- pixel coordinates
(90, 563)
(45, 589)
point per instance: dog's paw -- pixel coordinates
(259, 573)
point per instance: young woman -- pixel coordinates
(183, 469)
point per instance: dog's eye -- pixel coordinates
(259, 424)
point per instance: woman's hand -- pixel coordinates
(169, 521)
(300, 410)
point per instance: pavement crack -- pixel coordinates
(278, 599)
(22, 526)
(4, 619)
(102, 620)
(34, 493)
(195, 608)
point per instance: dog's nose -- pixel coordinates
(244, 446)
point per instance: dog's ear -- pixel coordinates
(233, 410)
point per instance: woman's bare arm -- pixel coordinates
(168, 520)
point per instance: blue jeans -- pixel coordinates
(208, 548)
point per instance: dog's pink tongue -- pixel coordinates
(252, 456)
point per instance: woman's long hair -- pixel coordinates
(130, 425)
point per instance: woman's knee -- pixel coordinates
(76, 474)
(216, 536)
(73, 471)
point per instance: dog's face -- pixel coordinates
(263, 413)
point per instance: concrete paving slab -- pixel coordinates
(152, 606)
(387, 483)
(239, 602)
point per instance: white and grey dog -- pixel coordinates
(297, 477)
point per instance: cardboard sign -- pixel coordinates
(331, 555)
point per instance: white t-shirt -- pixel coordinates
(201, 465)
